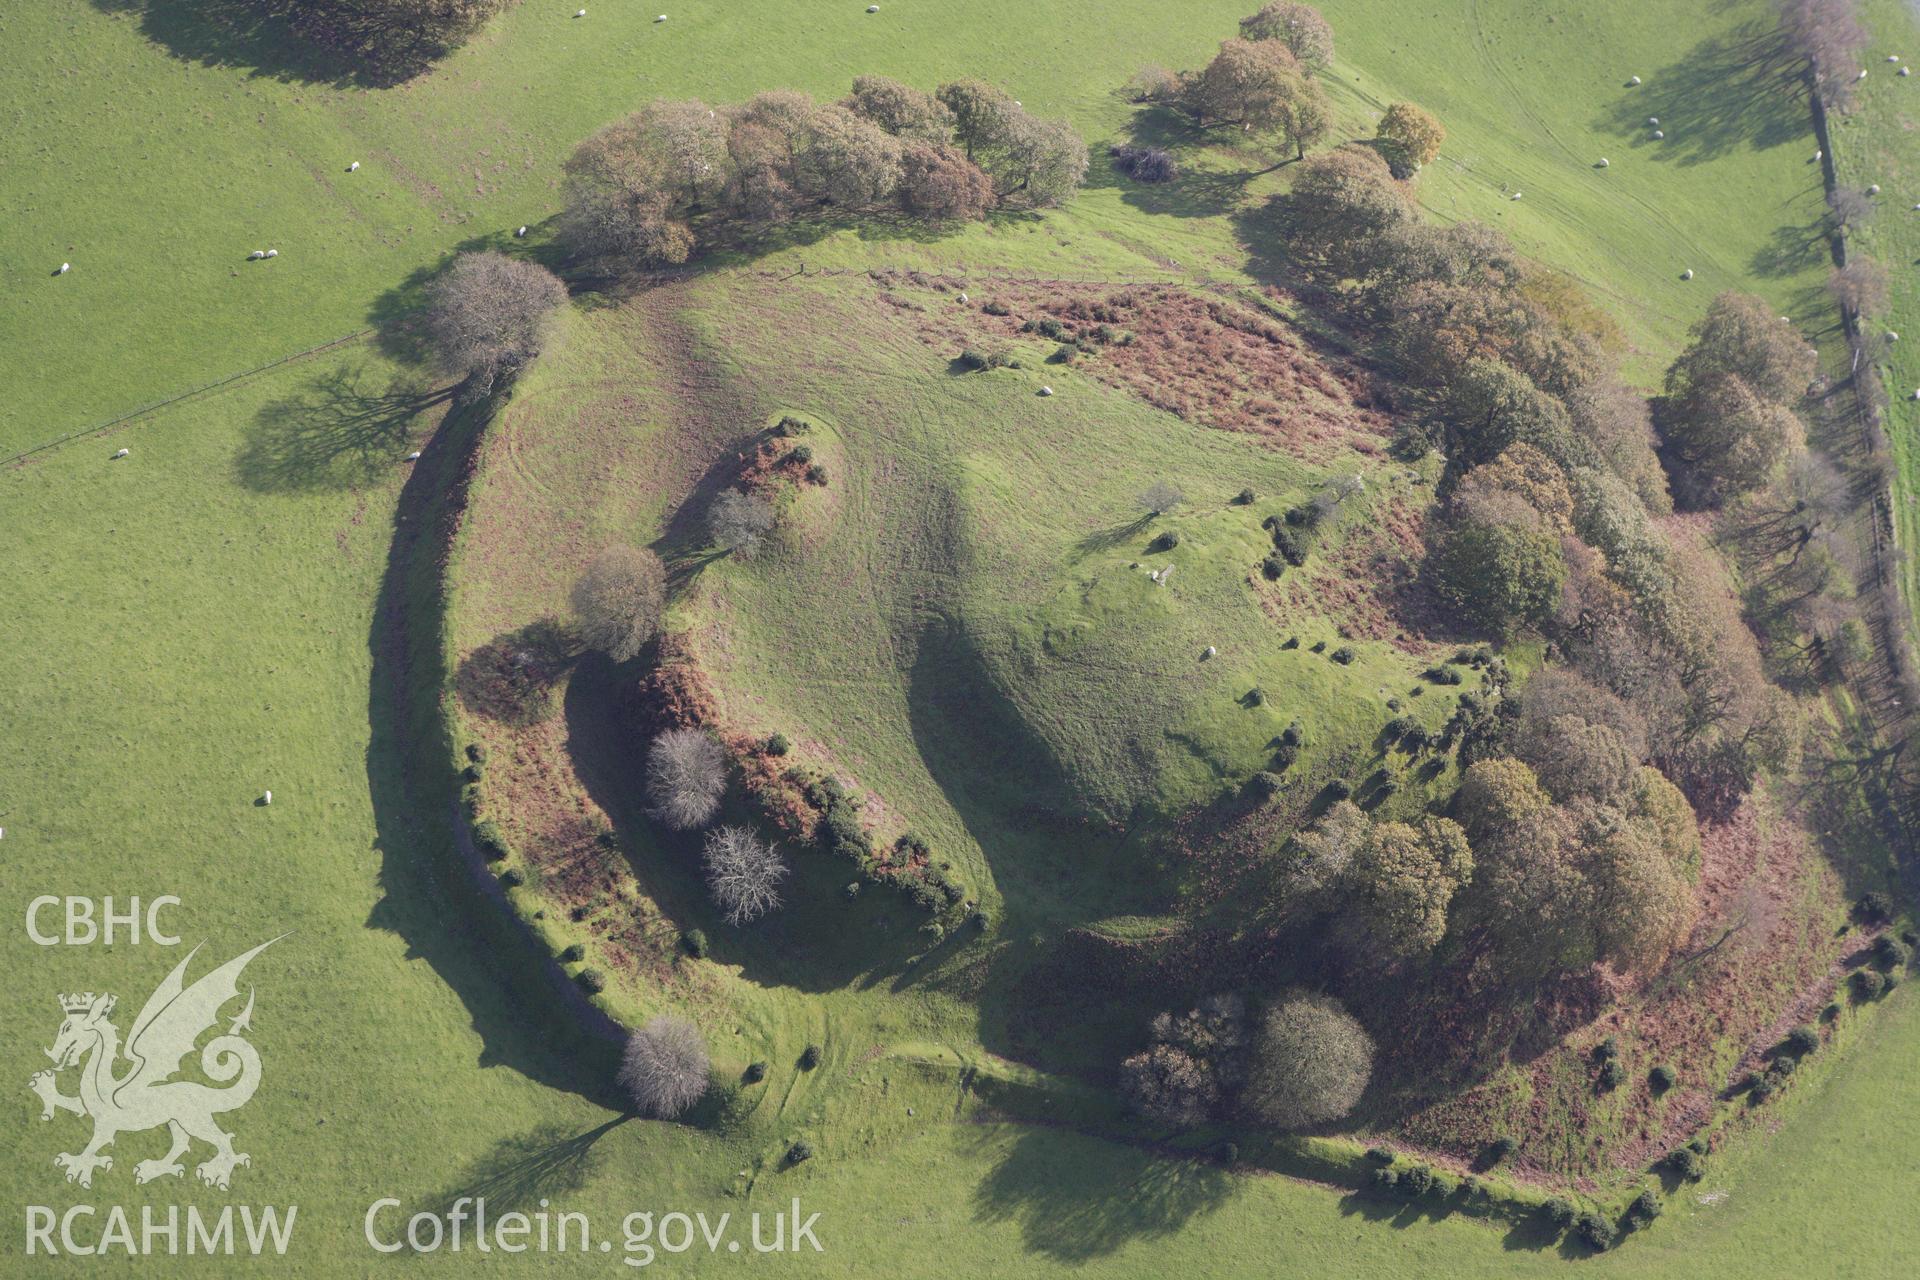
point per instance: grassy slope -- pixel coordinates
(1876, 144)
(118, 762)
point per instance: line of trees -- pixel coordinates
(1553, 477)
(675, 177)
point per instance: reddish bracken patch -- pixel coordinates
(1214, 360)
(677, 693)
(774, 785)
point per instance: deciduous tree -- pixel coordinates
(489, 314)
(617, 601)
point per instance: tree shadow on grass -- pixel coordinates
(1792, 248)
(1199, 191)
(283, 40)
(511, 678)
(521, 1170)
(1077, 1201)
(1739, 89)
(337, 432)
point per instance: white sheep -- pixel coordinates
(1687, 274)
(963, 296)
(256, 255)
(1874, 189)
(1862, 76)
(1893, 57)
(1211, 652)
(661, 18)
(1906, 71)
(354, 167)
(1046, 391)
(520, 234)
(1658, 134)
(273, 253)
(64, 268)
(267, 798)
(1604, 162)
(1818, 156)
(1634, 80)
(1892, 336)
(873, 8)
(414, 456)
(122, 453)
(580, 13)
(1654, 121)
(1514, 196)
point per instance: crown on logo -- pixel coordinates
(76, 1003)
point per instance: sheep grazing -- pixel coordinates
(1906, 71)
(1604, 163)
(963, 297)
(1893, 57)
(1211, 652)
(1892, 336)
(414, 456)
(1633, 80)
(267, 798)
(256, 255)
(64, 268)
(1818, 156)
(661, 18)
(1873, 189)
(122, 453)
(1514, 196)
(1659, 134)
(580, 13)
(873, 8)
(520, 234)
(1862, 76)
(1653, 121)
(273, 253)
(1687, 274)
(1046, 391)
(354, 167)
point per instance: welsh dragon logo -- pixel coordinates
(144, 1095)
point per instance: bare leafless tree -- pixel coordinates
(489, 314)
(1861, 287)
(1829, 37)
(617, 601)
(743, 874)
(664, 1068)
(1849, 207)
(686, 776)
(1161, 497)
(740, 521)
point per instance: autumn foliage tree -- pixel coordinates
(1410, 137)
(650, 190)
(1299, 27)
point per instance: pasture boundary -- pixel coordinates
(202, 389)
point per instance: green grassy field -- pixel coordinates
(1876, 146)
(216, 614)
